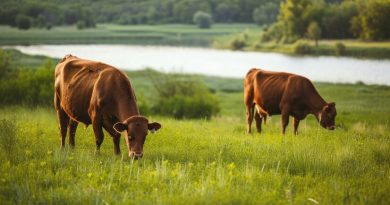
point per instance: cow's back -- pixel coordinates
(269, 88)
(75, 80)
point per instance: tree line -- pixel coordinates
(285, 20)
(46, 13)
(367, 20)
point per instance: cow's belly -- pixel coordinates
(76, 104)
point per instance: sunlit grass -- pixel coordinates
(207, 162)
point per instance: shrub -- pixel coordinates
(202, 19)
(340, 49)
(23, 22)
(184, 98)
(302, 48)
(80, 25)
(314, 32)
(28, 86)
(237, 43)
(8, 138)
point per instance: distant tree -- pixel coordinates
(314, 32)
(202, 19)
(291, 15)
(39, 21)
(374, 19)
(184, 10)
(23, 22)
(266, 14)
(225, 12)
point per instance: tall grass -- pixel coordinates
(208, 162)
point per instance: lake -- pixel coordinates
(222, 63)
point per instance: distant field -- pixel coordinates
(170, 34)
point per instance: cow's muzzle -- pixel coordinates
(331, 127)
(135, 155)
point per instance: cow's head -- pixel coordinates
(136, 128)
(327, 116)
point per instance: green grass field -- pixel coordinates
(206, 162)
(171, 34)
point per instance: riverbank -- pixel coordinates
(169, 34)
(235, 36)
(249, 41)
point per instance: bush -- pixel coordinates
(23, 22)
(302, 48)
(340, 49)
(202, 19)
(184, 99)
(8, 136)
(80, 25)
(28, 86)
(237, 43)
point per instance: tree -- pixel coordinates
(291, 15)
(266, 14)
(23, 22)
(202, 19)
(314, 32)
(225, 12)
(374, 19)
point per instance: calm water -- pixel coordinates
(222, 62)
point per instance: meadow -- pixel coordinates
(168, 34)
(206, 161)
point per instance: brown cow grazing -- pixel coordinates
(96, 93)
(287, 94)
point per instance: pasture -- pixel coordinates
(206, 162)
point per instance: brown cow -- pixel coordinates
(96, 93)
(287, 94)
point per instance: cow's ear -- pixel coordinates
(154, 126)
(120, 127)
(332, 104)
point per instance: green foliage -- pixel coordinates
(266, 14)
(80, 25)
(314, 32)
(340, 49)
(23, 22)
(202, 19)
(184, 98)
(27, 86)
(59, 12)
(373, 19)
(5, 61)
(8, 138)
(238, 42)
(302, 48)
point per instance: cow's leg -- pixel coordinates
(249, 116)
(258, 120)
(296, 124)
(97, 124)
(72, 132)
(285, 115)
(63, 118)
(108, 126)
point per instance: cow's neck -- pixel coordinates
(126, 110)
(316, 103)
